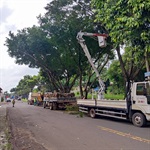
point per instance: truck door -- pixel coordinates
(148, 92)
(140, 95)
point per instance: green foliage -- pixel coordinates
(127, 21)
(81, 114)
(114, 73)
(72, 108)
(24, 100)
(77, 94)
(114, 96)
(109, 95)
(25, 85)
(53, 47)
(2, 99)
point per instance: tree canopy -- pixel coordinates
(52, 46)
(128, 24)
(25, 85)
(127, 21)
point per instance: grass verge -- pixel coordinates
(113, 96)
(74, 110)
(24, 100)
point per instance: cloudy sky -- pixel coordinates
(16, 15)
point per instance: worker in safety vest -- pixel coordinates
(35, 101)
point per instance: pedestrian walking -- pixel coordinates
(13, 102)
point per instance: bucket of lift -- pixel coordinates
(147, 76)
(102, 41)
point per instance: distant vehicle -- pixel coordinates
(37, 96)
(19, 98)
(8, 100)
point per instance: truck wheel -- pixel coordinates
(92, 113)
(51, 106)
(54, 106)
(44, 104)
(138, 119)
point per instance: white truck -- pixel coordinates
(138, 112)
(136, 107)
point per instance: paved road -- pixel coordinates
(56, 130)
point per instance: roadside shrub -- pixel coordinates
(72, 108)
(2, 100)
(81, 114)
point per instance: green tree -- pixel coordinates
(26, 85)
(64, 20)
(114, 73)
(53, 46)
(127, 22)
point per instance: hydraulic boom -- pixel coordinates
(102, 43)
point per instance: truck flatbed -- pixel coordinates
(103, 103)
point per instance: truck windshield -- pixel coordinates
(144, 89)
(140, 89)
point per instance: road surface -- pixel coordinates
(36, 128)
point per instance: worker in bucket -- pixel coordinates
(13, 102)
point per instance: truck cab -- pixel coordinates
(141, 93)
(140, 102)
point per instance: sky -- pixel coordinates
(16, 15)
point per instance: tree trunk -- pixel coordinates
(147, 62)
(80, 86)
(125, 74)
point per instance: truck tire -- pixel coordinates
(138, 119)
(51, 106)
(44, 104)
(92, 113)
(54, 106)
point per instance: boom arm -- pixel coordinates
(102, 43)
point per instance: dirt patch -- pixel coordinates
(21, 137)
(24, 140)
(4, 131)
